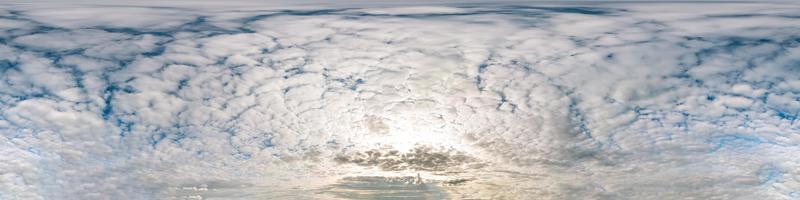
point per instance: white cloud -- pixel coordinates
(615, 101)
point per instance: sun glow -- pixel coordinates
(405, 132)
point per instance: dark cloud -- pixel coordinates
(422, 158)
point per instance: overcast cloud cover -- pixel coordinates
(486, 101)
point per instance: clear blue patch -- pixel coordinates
(34, 151)
(356, 84)
(155, 139)
(735, 141)
(178, 137)
(242, 155)
(125, 127)
(787, 116)
(109, 96)
(7, 65)
(267, 143)
(769, 174)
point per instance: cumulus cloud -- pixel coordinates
(616, 101)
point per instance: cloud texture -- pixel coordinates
(617, 101)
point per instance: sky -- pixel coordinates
(512, 100)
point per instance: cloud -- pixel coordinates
(610, 101)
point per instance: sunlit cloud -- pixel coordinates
(441, 100)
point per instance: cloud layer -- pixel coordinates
(618, 101)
